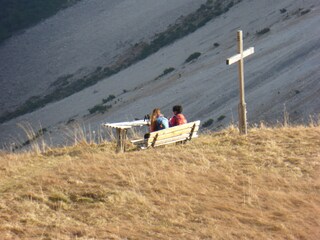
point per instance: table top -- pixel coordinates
(126, 125)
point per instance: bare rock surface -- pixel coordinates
(282, 75)
(77, 40)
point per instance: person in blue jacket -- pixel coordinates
(158, 121)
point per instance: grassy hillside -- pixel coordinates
(17, 14)
(220, 186)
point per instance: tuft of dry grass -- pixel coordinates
(265, 185)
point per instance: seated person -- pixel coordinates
(158, 121)
(178, 118)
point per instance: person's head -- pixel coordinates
(153, 119)
(155, 113)
(177, 109)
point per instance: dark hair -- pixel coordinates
(177, 108)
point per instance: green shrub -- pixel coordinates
(193, 56)
(108, 99)
(221, 118)
(283, 10)
(263, 31)
(100, 108)
(207, 123)
(168, 70)
(165, 72)
(305, 11)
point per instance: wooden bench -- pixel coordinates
(181, 133)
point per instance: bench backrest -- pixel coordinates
(174, 134)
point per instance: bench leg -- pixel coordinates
(121, 140)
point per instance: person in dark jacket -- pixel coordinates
(178, 118)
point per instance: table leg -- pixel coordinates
(121, 140)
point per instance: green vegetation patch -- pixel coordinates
(165, 72)
(208, 123)
(100, 108)
(108, 99)
(193, 56)
(263, 31)
(221, 118)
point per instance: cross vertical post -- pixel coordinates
(242, 111)
(242, 104)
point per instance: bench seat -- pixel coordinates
(181, 133)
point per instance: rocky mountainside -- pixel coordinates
(16, 15)
(76, 41)
(282, 75)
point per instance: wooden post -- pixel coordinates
(242, 111)
(242, 104)
(121, 140)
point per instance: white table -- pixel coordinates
(121, 128)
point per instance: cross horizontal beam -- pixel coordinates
(238, 57)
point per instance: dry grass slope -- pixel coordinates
(220, 186)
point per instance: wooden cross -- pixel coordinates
(239, 58)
